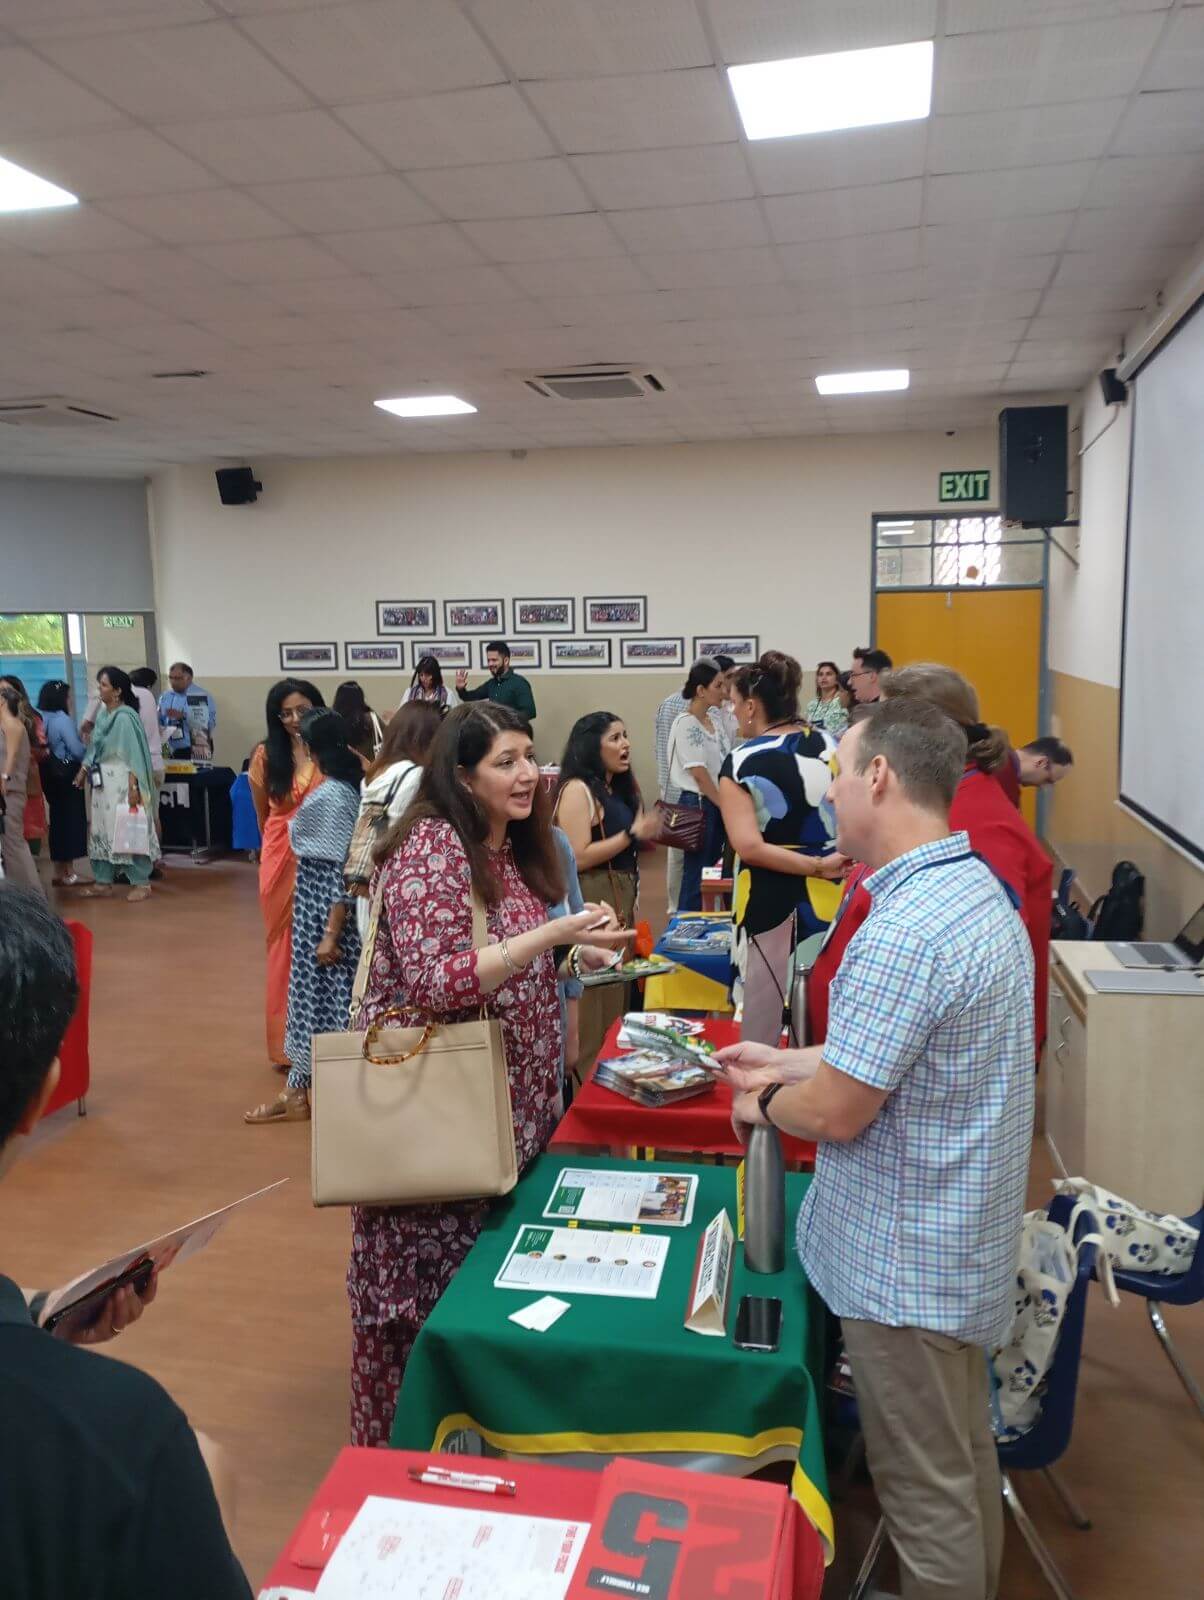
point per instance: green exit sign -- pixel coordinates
(119, 622)
(965, 486)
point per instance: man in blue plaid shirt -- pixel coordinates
(921, 1099)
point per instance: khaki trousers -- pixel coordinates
(924, 1404)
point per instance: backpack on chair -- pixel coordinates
(1120, 914)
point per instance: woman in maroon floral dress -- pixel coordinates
(481, 819)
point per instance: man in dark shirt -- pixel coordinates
(868, 665)
(103, 1490)
(506, 687)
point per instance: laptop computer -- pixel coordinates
(1154, 980)
(1186, 949)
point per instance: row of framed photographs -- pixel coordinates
(526, 655)
(615, 613)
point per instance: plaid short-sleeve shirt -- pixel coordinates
(916, 1222)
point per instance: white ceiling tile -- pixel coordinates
(1179, 61)
(767, 30)
(690, 269)
(580, 38)
(270, 260)
(451, 286)
(211, 298)
(834, 213)
(729, 225)
(25, 277)
(293, 145)
(983, 141)
(1147, 180)
(1065, 301)
(1102, 227)
(972, 16)
(518, 315)
(686, 176)
(648, 112)
(36, 99)
(329, 205)
(371, 49)
(839, 160)
(101, 165)
(1035, 66)
(1162, 122)
(333, 294)
(72, 229)
(172, 74)
(138, 270)
(48, 19)
(543, 238)
(381, 250)
(460, 128)
(510, 189)
(1019, 191)
(971, 241)
(601, 275)
(838, 259)
(1131, 264)
(198, 216)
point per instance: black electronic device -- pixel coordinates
(81, 1314)
(1114, 391)
(758, 1324)
(1033, 452)
(238, 486)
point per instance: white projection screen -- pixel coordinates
(1162, 658)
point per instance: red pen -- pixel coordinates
(474, 1482)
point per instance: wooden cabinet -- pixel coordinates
(1124, 1085)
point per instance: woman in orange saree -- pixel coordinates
(281, 774)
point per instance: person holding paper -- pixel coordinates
(119, 772)
(921, 1098)
(104, 1489)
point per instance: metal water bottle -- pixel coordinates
(764, 1202)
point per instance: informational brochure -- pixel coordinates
(663, 1199)
(706, 1309)
(585, 1261)
(406, 1550)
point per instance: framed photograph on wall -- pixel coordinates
(526, 655)
(309, 658)
(474, 616)
(451, 654)
(374, 655)
(744, 648)
(580, 655)
(405, 616)
(663, 653)
(545, 616)
(616, 613)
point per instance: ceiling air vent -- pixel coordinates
(596, 383)
(51, 413)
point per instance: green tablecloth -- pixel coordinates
(621, 1377)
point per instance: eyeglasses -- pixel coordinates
(295, 715)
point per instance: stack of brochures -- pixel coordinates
(649, 1079)
(699, 936)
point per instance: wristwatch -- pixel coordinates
(763, 1099)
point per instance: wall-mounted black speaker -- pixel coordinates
(238, 486)
(1114, 391)
(1033, 447)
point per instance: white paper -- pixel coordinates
(585, 1261)
(658, 1199)
(708, 1308)
(540, 1314)
(690, 1026)
(405, 1550)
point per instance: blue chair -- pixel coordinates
(1047, 1439)
(1186, 1289)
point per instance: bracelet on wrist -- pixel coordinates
(508, 959)
(763, 1099)
(574, 962)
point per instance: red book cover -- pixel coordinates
(659, 1533)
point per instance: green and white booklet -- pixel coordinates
(588, 1194)
(585, 1261)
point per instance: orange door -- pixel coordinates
(993, 636)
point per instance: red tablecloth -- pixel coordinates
(542, 1492)
(600, 1119)
(74, 1073)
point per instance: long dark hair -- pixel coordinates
(53, 696)
(325, 732)
(583, 759)
(278, 747)
(464, 739)
(408, 736)
(433, 670)
(775, 681)
(819, 667)
(22, 709)
(351, 705)
(121, 682)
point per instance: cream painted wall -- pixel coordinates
(770, 537)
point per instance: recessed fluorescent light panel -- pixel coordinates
(863, 382)
(25, 191)
(847, 89)
(426, 405)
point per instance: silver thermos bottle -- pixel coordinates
(765, 1168)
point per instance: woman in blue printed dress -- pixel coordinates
(326, 941)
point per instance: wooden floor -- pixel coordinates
(252, 1336)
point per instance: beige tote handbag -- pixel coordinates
(411, 1115)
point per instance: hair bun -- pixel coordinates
(783, 669)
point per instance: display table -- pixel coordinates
(194, 808)
(541, 1491)
(622, 1376)
(700, 982)
(599, 1119)
(74, 1066)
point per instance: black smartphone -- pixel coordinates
(81, 1314)
(758, 1323)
